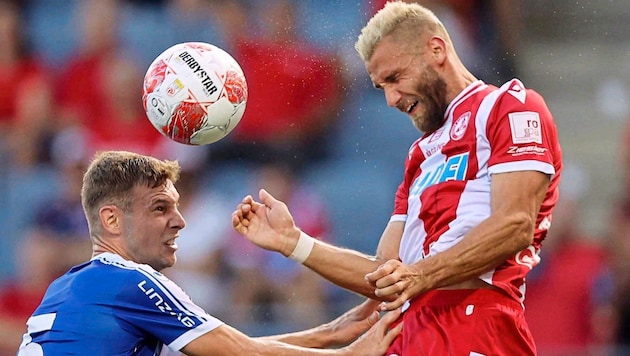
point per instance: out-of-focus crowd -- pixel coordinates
(314, 134)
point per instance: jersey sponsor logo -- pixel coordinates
(430, 151)
(525, 127)
(459, 126)
(518, 151)
(163, 305)
(453, 169)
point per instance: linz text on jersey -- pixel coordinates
(163, 306)
(208, 85)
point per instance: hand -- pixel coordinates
(349, 326)
(376, 341)
(267, 223)
(396, 283)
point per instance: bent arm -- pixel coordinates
(269, 225)
(516, 198)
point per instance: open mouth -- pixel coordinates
(411, 106)
(171, 243)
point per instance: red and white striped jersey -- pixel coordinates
(446, 187)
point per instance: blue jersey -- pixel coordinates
(111, 306)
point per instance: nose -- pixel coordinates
(392, 96)
(178, 221)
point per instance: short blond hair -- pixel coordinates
(403, 20)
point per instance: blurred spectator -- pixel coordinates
(195, 20)
(26, 106)
(100, 88)
(121, 123)
(57, 240)
(81, 83)
(295, 88)
(269, 288)
(619, 247)
(568, 298)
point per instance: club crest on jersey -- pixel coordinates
(459, 126)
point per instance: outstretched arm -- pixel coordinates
(226, 340)
(339, 332)
(269, 225)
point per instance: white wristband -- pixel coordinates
(303, 248)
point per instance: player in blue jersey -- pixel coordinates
(118, 303)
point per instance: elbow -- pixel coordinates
(523, 230)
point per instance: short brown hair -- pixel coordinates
(112, 175)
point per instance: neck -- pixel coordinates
(461, 79)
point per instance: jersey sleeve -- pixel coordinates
(156, 306)
(521, 132)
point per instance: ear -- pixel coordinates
(437, 46)
(111, 218)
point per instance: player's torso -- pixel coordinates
(446, 188)
(77, 316)
(110, 306)
(447, 177)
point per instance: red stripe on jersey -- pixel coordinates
(445, 190)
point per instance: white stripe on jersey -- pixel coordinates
(175, 295)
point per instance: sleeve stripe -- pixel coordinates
(181, 305)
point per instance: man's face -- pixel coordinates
(410, 84)
(152, 225)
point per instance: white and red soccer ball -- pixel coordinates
(194, 93)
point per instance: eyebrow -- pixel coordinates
(162, 201)
(388, 79)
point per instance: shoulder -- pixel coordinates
(514, 96)
(116, 273)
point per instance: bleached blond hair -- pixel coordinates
(404, 21)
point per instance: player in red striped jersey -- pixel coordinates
(473, 207)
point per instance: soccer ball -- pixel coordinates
(194, 93)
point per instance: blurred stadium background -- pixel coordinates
(575, 53)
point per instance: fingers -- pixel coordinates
(367, 307)
(241, 216)
(392, 282)
(393, 333)
(266, 198)
(390, 317)
(381, 272)
(385, 326)
(394, 304)
(373, 318)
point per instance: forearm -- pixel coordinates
(343, 267)
(225, 340)
(485, 247)
(318, 337)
